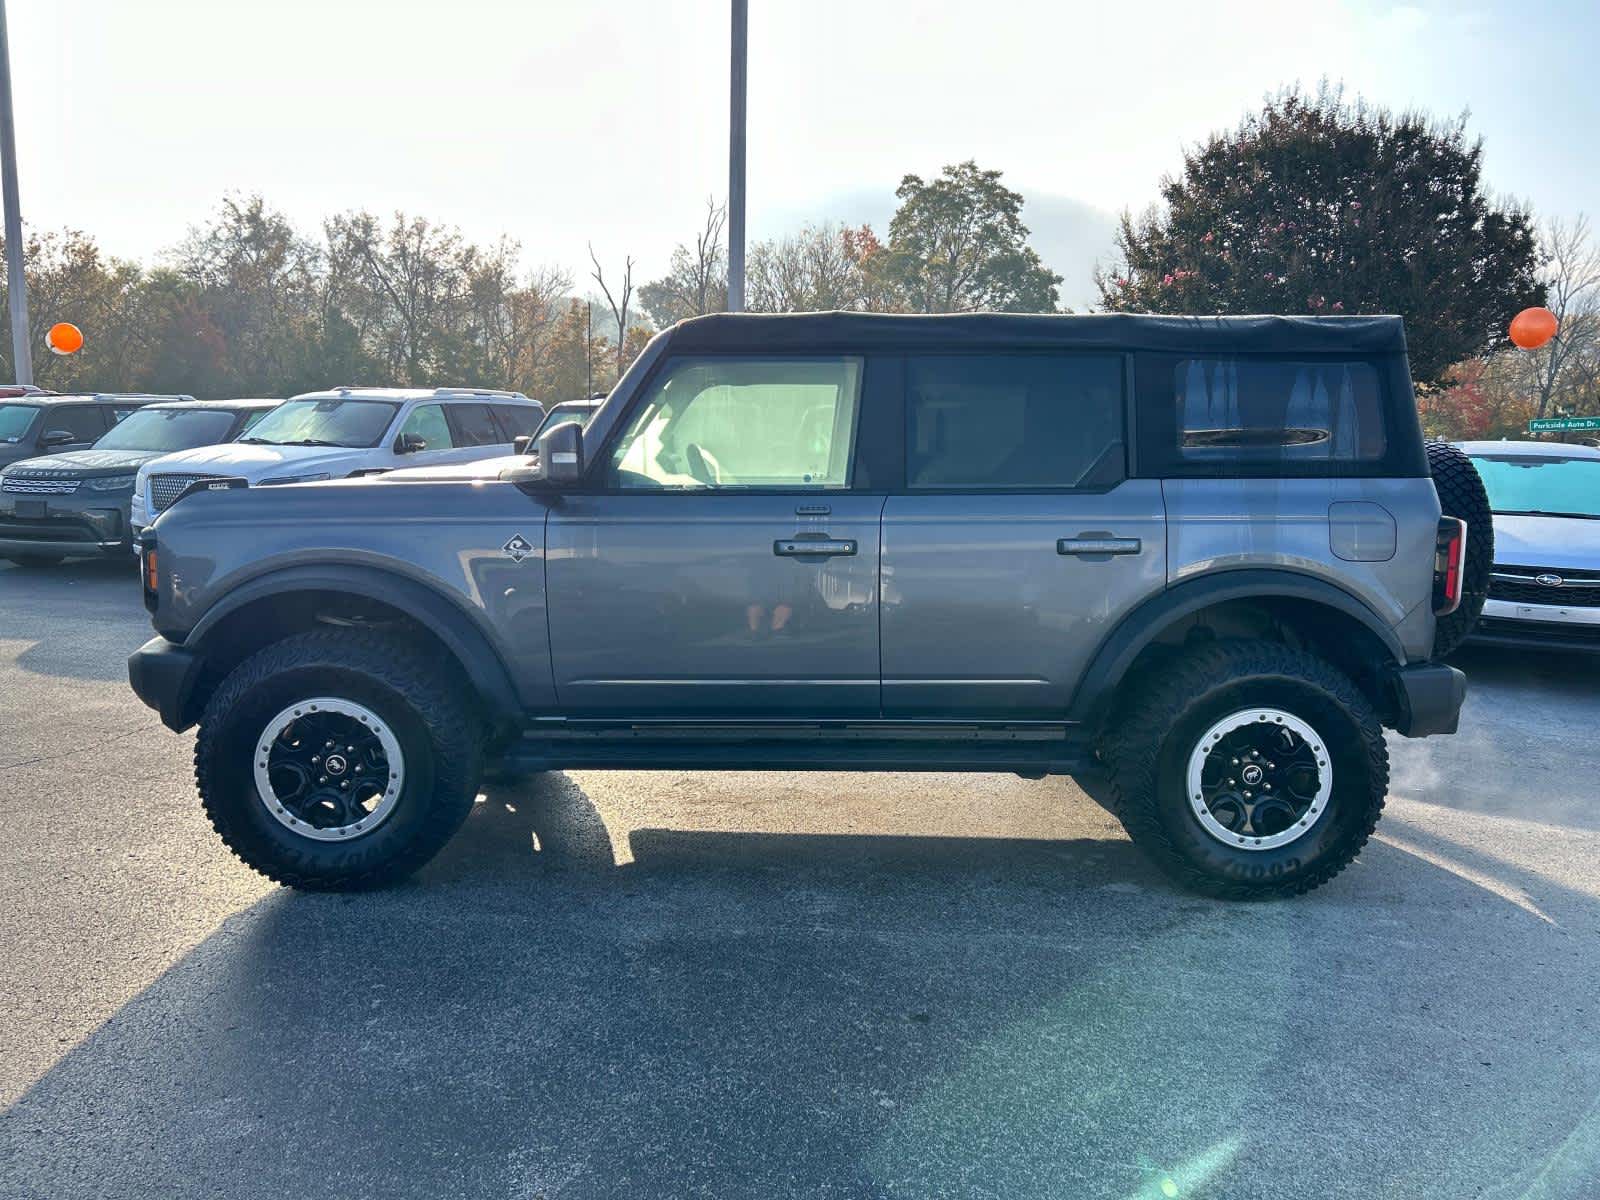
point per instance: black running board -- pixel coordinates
(1032, 757)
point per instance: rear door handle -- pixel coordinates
(1099, 545)
(813, 547)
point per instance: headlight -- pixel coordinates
(294, 479)
(112, 483)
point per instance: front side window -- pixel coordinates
(341, 421)
(427, 422)
(1014, 421)
(1538, 486)
(168, 429)
(82, 421)
(1264, 409)
(15, 421)
(743, 422)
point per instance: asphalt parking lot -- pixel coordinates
(662, 984)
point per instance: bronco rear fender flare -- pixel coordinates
(1144, 624)
(461, 634)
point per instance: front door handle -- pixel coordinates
(813, 547)
(1098, 545)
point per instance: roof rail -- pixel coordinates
(479, 391)
(141, 395)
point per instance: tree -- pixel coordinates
(817, 269)
(1564, 368)
(619, 303)
(697, 281)
(1314, 205)
(957, 243)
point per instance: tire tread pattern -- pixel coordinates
(455, 731)
(1462, 494)
(1157, 702)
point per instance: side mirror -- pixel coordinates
(410, 443)
(520, 443)
(560, 459)
(57, 437)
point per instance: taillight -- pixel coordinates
(1449, 555)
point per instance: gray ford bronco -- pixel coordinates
(1201, 562)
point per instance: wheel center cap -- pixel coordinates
(335, 764)
(1252, 774)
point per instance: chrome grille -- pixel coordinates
(39, 487)
(164, 489)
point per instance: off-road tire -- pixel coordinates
(426, 706)
(1461, 494)
(37, 560)
(1147, 744)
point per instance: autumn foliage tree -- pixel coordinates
(1316, 205)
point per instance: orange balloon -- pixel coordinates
(64, 338)
(1533, 327)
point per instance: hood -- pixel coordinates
(1569, 542)
(84, 464)
(256, 463)
(483, 468)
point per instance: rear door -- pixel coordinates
(1018, 541)
(723, 566)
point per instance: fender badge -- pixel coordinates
(517, 549)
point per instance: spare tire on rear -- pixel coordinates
(1461, 494)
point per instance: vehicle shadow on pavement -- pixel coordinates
(762, 1014)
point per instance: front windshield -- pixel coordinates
(344, 421)
(1568, 487)
(14, 421)
(168, 429)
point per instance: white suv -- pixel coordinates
(344, 432)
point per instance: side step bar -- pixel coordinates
(1055, 756)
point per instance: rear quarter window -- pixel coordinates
(1213, 415)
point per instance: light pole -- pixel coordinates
(736, 97)
(17, 283)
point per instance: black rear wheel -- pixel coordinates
(1461, 494)
(1247, 769)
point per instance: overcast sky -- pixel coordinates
(561, 123)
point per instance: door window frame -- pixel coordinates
(597, 460)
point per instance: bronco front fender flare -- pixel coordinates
(463, 636)
(1144, 624)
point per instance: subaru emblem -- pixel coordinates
(1548, 580)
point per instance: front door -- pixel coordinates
(722, 567)
(1017, 543)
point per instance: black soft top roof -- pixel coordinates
(1099, 331)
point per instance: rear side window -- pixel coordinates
(517, 420)
(1278, 410)
(1001, 421)
(1266, 416)
(472, 425)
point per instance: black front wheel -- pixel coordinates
(338, 760)
(1248, 769)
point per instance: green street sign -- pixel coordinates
(1561, 424)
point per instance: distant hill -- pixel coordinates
(1069, 235)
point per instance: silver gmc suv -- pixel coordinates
(1201, 560)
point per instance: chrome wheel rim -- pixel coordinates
(1259, 778)
(328, 769)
